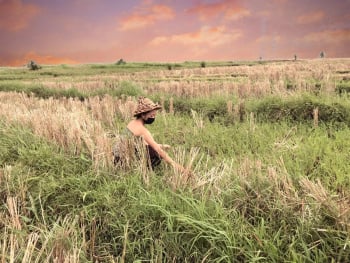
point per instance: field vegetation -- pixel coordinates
(267, 141)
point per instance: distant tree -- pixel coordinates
(203, 64)
(120, 62)
(322, 54)
(170, 67)
(295, 57)
(32, 65)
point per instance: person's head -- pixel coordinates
(146, 110)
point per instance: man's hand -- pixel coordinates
(165, 146)
(185, 172)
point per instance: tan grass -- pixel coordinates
(14, 212)
(277, 182)
(200, 177)
(215, 179)
(179, 179)
(243, 81)
(73, 125)
(337, 206)
(315, 116)
(31, 245)
(229, 107)
(171, 106)
(198, 121)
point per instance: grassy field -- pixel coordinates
(268, 142)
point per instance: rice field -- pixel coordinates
(268, 144)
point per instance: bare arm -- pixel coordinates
(147, 136)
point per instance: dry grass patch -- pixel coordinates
(73, 125)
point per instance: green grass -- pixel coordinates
(331, 110)
(279, 192)
(124, 88)
(48, 71)
(316, 152)
(246, 221)
(57, 71)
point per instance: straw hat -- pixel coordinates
(145, 105)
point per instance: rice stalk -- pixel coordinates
(3, 242)
(69, 124)
(198, 120)
(125, 242)
(61, 243)
(315, 116)
(127, 109)
(9, 246)
(171, 106)
(229, 107)
(252, 125)
(14, 212)
(178, 179)
(283, 188)
(338, 208)
(13, 247)
(201, 176)
(31, 244)
(215, 179)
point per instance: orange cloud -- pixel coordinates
(236, 13)
(16, 15)
(310, 18)
(329, 36)
(40, 59)
(228, 8)
(146, 16)
(208, 36)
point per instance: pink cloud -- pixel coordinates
(329, 36)
(15, 15)
(146, 16)
(236, 13)
(228, 8)
(269, 39)
(264, 13)
(206, 36)
(311, 17)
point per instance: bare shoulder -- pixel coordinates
(136, 128)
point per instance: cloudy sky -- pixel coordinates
(103, 31)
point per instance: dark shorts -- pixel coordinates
(153, 157)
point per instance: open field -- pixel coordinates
(268, 143)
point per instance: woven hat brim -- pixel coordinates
(137, 112)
